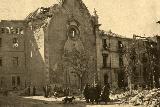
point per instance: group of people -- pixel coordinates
(55, 91)
(93, 93)
(47, 91)
(96, 94)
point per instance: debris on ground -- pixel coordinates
(148, 98)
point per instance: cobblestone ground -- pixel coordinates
(29, 102)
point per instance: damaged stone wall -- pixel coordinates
(58, 30)
(38, 50)
(12, 52)
(113, 68)
(49, 29)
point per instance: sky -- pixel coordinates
(124, 17)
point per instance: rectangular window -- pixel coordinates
(105, 60)
(2, 30)
(13, 81)
(21, 31)
(15, 61)
(15, 40)
(120, 61)
(0, 61)
(104, 42)
(12, 30)
(0, 42)
(18, 81)
(7, 30)
(17, 30)
(120, 45)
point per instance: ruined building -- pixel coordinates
(62, 45)
(13, 60)
(121, 60)
(43, 53)
(111, 58)
(146, 61)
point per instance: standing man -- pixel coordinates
(29, 90)
(34, 91)
(86, 93)
(97, 93)
(92, 94)
(105, 93)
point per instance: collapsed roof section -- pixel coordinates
(144, 37)
(41, 16)
(111, 34)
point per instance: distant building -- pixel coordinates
(118, 57)
(111, 58)
(12, 54)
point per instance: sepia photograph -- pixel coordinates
(79, 53)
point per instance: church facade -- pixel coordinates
(56, 35)
(54, 45)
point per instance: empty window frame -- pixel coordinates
(13, 80)
(104, 60)
(15, 61)
(21, 31)
(15, 40)
(2, 30)
(7, 30)
(18, 80)
(17, 30)
(12, 30)
(104, 42)
(120, 45)
(121, 63)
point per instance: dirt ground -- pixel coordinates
(29, 102)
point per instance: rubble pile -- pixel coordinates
(148, 98)
(123, 97)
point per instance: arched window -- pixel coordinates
(73, 32)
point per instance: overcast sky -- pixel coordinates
(124, 17)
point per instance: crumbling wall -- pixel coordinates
(54, 22)
(39, 59)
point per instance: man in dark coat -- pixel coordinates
(29, 90)
(92, 94)
(97, 93)
(66, 92)
(49, 89)
(45, 89)
(86, 93)
(105, 93)
(34, 91)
